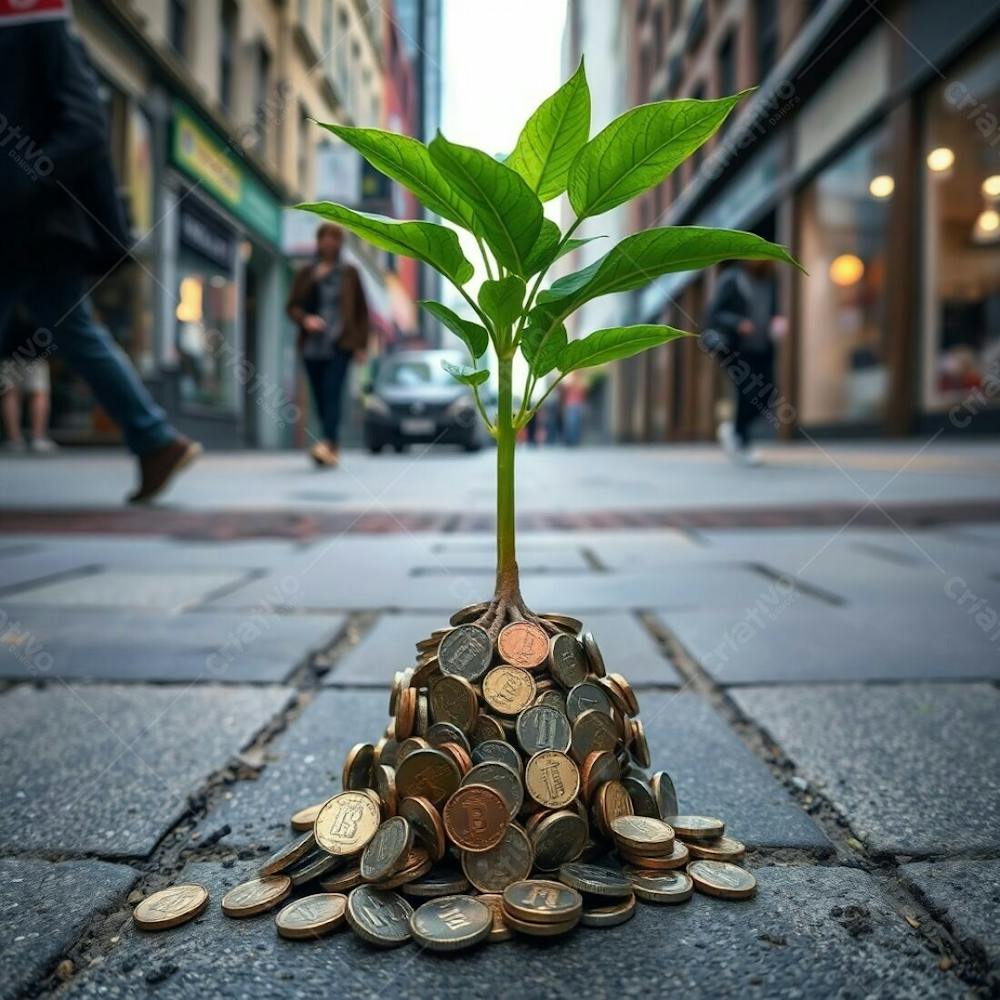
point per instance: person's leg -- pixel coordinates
(11, 404)
(746, 412)
(62, 308)
(336, 376)
(316, 376)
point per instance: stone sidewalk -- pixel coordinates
(833, 694)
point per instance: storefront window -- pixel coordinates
(961, 170)
(206, 312)
(842, 373)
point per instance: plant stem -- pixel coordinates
(508, 583)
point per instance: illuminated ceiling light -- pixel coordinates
(847, 269)
(940, 159)
(988, 221)
(881, 186)
(991, 186)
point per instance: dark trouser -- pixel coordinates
(326, 379)
(67, 326)
(753, 388)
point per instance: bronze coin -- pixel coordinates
(552, 779)
(523, 644)
(720, 878)
(696, 827)
(466, 651)
(543, 728)
(358, 766)
(677, 858)
(595, 880)
(541, 901)
(567, 660)
(385, 752)
(171, 907)
(346, 823)
(596, 769)
(558, 838)
(256, 896)
(486, 728)
(406, 714)
(388, 850)
(289, 854)
(611, 802)
(428, 828)
(609, 914)
(643, 835)
(454, 700)
(628, 694)
(451, 923)
(500, 931)
(508, 690)
(593, 653)
(417, 865)
(411, 744)
(639, 746)
(587, 696)
(312, 916)
(476, 818)
(501, 778)
(343, 880)
(459, 755)
(305, 819)
(592, 731)
(429, 773)
(509, 862)
(723, 849)
(614, 693)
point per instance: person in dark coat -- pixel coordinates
(64, 230)
(327, 304)
(743, 319)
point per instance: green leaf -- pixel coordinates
(542, 341)
(426, 241)
(544, 251)
(407, 161)
(553, 136)
(640, 258)
(640, 149)
(502, 300)
(465, 374)
(508, 214)
(572, 245)
(474, 336)
(613, 344)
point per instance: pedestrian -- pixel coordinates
(63, 225)
(24, 376)
(741, 326)
(327, 304)
(572, 397)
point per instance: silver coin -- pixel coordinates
(642, 798)
(558, 839)
(553, 698)
(466, 651)
(451, 923)
(593, 652)
(586, 697)
(541, 727)
(442, 880)
(665, 794)
(315, 864)
(499, 751)
(446, 732)
(509, 862)
(567, 660)
(387, 850)
(595, 879)
(501, 778)
(380, 917)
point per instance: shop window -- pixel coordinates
(842, 244)
(961, 173)
(227, 50)
(767, 36)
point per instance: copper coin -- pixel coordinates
(411, 744)
(171, 907)
(567, 660)
(677, 858)
(454, 700)
(696, 827)
(558, 838)
(459, 755)
(720, 878)
(256, 896)
(406, 714)
(611, 802)
(500, 930)
(593, 731)
(312, 916)
(723, 849)
(596, 769)
(417, 865)
(289, 854)
(643, 835)
(552, 779)
(541, 901)
(346, 823)
(593, 653)
(429, 773)
(466, 651)
(523, 644)
(628, 694)
(428, 828)
(501, 778)
(305, 819)
(508, 690)
(476, 818)
(451, 923)
(509, 862)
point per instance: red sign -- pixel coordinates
(23, 11)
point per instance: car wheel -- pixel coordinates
(399, 447)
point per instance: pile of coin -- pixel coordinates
(507, 794)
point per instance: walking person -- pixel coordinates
(573, 398)
(64, 226)
(24, 377)
(741, 327)
(327, 304)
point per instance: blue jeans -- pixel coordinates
(66, 324)
(326, 378)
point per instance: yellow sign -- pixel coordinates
(201, 156)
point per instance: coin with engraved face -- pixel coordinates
(523, 644)
(451, 923)
(428, 829)
(663, 791)
(552, 779)
(558, 838)
(503, 779)
(498, 750)
(380, 917)
(696, 827)
(466, 651)
(171, 907)
(586, 696)
(643, 835)
(593, 731)
(542, 901)
(643, 801)
(454, 700)
(542, 727)
(476, 818)
(508, 690)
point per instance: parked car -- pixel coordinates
(413, 399)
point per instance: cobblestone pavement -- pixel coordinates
(168, 698)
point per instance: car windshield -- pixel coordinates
(412, 373)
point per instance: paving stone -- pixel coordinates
(966, 896)
(531, 559)
(810, 931)
(108, 769)
(149, 646)
(388, 647)
(45, 908)
(784, 637)
(167, 590)
(716, 775)
(305, 766)
(915, 768)
(629, 649)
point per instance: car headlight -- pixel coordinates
(462, 407)
(373, 404)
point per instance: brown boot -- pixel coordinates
(324, 455)
(159, 467)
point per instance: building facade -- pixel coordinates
(872, 149)
(211, 106)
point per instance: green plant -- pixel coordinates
(500, 203)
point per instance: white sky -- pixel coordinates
(502, 58)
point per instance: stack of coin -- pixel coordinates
(506, 795)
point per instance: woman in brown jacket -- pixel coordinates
(328, 305)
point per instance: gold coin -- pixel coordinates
(425, 819)
(723, 849)
(596, 769)
(312, 916)
(358, 765)
(305, 819)
(342, 881)
(662, 887)
(454, 700)
(552, 779)
(536, 929)
(385, 786)
(508, 690)
(476, 818)
(611, 801)
(720, 878)
(610, 914)
(696, 827)
(638, 743)
(429, 773)
(289, 854)
(542, 901)
(628, 695)
(170, 907)
(500, 930)
(592, 731)
(256, 896)
(346, 823)
(677, 858)
(523, 644)
(643, 835)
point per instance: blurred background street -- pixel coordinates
(814, 639)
